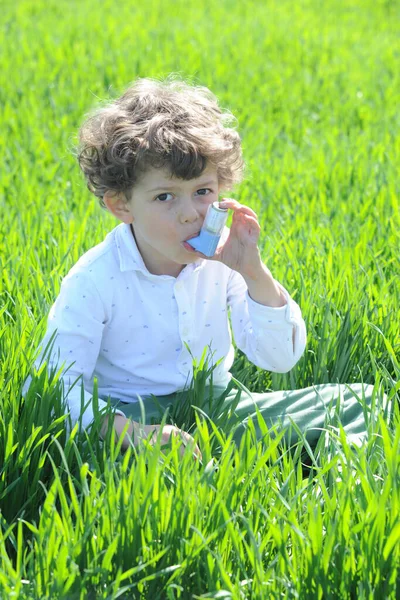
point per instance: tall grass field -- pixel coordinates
(315, 86)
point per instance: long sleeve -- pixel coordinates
(78, 317)
(264, 333)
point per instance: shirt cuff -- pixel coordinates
(273, 317)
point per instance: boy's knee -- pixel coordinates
(363, 389)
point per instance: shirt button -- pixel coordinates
(185, 331)
(179, 285)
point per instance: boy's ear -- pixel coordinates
(117, 204)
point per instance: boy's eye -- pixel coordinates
(200, 192)
(163, 197)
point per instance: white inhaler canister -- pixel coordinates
(213, 226)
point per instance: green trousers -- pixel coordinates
(313, 410)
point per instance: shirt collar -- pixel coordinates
(130, 258)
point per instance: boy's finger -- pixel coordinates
(237, 207)
(195, 451)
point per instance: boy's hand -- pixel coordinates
(150, 432)
(240, 251)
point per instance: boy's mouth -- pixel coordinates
(187, 246)
(191, 236)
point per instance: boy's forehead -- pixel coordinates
(158, 177)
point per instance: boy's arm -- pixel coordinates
(272, 337)
(78, 317)
(268, 292)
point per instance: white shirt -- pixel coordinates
(118, 322)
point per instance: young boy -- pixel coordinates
(156, 158)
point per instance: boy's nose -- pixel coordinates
(188, 213)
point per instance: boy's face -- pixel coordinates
(164, 212)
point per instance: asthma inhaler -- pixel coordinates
(213, 226)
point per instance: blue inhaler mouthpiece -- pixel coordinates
(213, 226)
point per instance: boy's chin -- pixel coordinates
(190, 258)
(187, 257)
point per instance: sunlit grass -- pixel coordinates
(315, 88)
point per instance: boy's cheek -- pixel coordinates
(156, 230)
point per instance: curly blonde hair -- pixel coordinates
(168, 124)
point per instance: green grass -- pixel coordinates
(315, 88)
